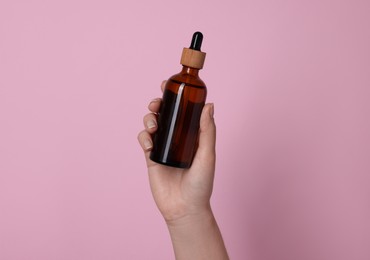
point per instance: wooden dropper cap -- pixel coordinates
(192, 56)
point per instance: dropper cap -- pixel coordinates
(193, 57)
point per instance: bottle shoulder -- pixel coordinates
(188, 79)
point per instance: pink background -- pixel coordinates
(290, 81)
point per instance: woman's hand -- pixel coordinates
(183, 195)
(181, 192)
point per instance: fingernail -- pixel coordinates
(211, 110)
(147, 144)
(151, 124)
(155, 100)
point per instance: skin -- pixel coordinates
(183, 195)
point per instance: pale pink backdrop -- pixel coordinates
(290, 81)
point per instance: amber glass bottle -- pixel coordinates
(175, 142)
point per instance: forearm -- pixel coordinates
(197, 237)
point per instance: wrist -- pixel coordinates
(197, 236)
(191, 218)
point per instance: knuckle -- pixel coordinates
(140, 135)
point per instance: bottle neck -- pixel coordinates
(190, 71)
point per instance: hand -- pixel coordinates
(182, 192)
(183, 195)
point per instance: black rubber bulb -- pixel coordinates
(196, 42)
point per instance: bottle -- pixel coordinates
(184, 96)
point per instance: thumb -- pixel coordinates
(207, 136)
